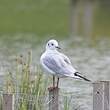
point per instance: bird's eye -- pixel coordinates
(48, 44)
(52, 44)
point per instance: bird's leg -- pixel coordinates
(53, 81)
(57, 82)
(54, 87)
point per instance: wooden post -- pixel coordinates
(101, 95)
(8, 102)
(53, 98)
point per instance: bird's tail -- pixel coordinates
(80, 76)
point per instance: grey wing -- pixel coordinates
(52, 64)
(66, 59)
(59, 65)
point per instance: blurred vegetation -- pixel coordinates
(49, 17)
(42, 17)
(102, 19)
(30, 87)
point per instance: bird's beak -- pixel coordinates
(58, 47)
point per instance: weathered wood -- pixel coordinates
(53, 98)
(101, 95)
(8, 102)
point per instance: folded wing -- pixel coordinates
(59, 65)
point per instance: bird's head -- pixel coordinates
(52, 45)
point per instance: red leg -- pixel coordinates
(57, 82)
(53, 81)
(51, 88)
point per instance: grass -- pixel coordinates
(30, 89)
(33, 16)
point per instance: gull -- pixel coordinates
(58, 64)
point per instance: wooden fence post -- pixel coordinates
(101, 95)
(53, 99)
(8, 102)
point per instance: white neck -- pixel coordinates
(51, 51)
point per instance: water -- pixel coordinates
(92, 58)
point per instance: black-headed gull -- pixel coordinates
(58, 64)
